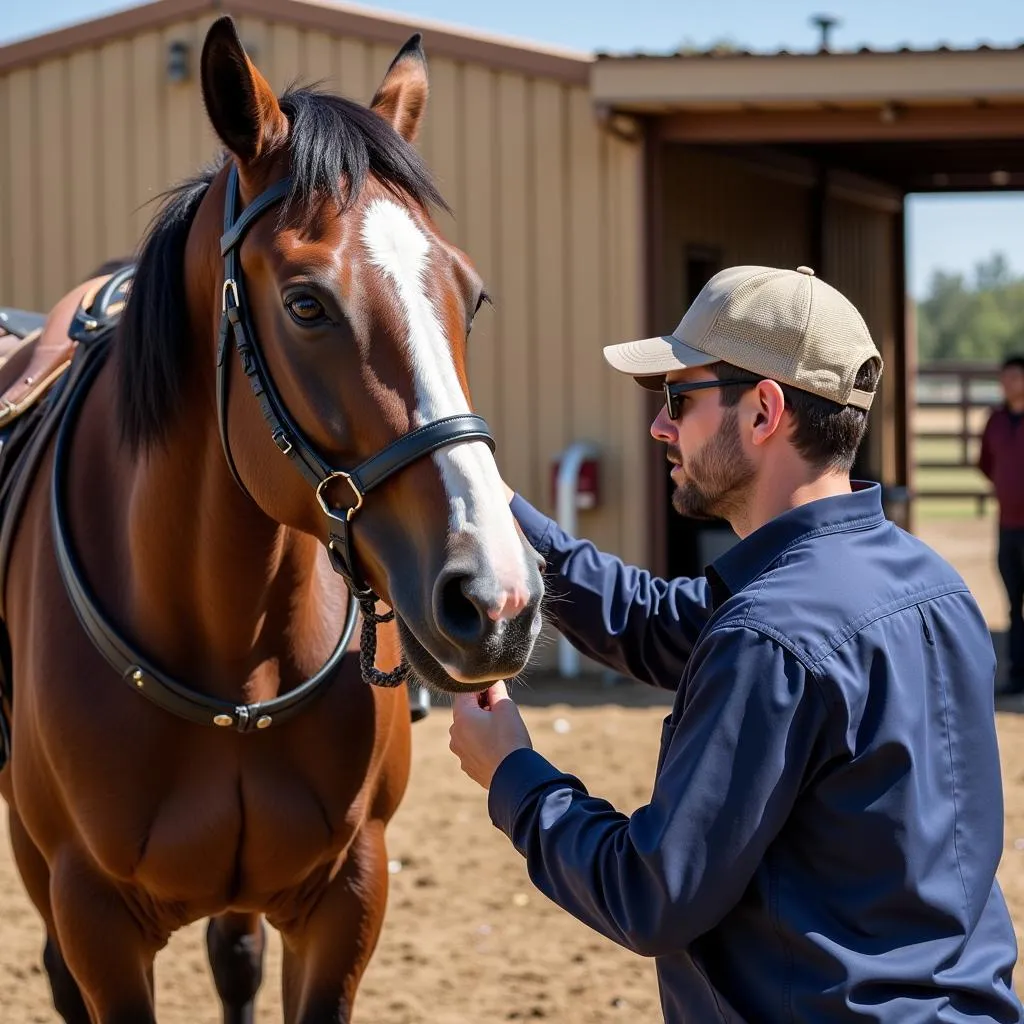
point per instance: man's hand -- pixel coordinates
(486, 728)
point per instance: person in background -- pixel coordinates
(1002, 461)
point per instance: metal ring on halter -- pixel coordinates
(339, 475)
(228, 284)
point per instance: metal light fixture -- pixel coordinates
(179, 61)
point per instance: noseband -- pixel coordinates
(236, 321)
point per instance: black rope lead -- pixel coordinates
(368, 648)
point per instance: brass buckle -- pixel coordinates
(339, 475)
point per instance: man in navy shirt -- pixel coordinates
(826, 819)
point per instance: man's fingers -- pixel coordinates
(497, 692)
(464, 704)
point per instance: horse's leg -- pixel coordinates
(327, 951)
(105, 946)
(235, 944)
(67, 997)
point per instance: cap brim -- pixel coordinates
(654, 357)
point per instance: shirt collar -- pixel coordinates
(746, 560)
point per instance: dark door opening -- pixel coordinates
(691, 543)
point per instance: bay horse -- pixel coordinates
(196, 536)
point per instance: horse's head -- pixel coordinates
(362, 311)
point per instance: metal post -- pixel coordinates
(568, 474)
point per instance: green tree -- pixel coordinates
(977, 320)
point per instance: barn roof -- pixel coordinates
(324, 15)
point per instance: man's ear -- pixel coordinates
(768, 412)
(401, 98)
(242, 107)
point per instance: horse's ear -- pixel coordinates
(401, 98)
(240, 103)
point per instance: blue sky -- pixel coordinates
(951, 233)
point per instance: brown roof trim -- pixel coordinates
(438, 40)
(442, 41)
(99, 31)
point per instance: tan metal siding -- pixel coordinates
(52, 178)
(23, 153)
(514, 412)
(478, 217)
(545, 203)
(352, 78)
(112, 149)
(627, 483)
(148, 129)
(85, 195)
(445, 118)
(859, 262)
(548, 250)
(6, 192)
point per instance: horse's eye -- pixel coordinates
(304, 309)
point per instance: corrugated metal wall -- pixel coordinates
(546, 204)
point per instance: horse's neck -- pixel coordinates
(217, 593)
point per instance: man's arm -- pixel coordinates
(751, 732)
(986, 456)
(623, 617)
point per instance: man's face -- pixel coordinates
(711, 471)
(1012, 380)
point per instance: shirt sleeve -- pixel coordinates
(751, 730)
(620, 616)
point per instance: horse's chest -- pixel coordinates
(241, 840)
(204, 819)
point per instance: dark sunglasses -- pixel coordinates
(674, 392)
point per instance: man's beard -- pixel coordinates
(717, 477)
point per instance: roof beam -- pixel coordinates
(656, 84)
(901, 125)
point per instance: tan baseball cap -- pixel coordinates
(786, 325)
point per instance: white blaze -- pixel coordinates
(476, 497)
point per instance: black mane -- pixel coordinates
(335, 145)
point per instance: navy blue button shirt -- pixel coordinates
(826, 819)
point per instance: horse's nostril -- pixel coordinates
(461, 613)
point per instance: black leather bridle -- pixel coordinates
(236, 321)
(94, 332)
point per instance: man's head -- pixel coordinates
(1012, 380)
(769, 375)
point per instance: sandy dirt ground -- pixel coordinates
(467, 939)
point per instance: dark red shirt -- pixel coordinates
(1002, 461)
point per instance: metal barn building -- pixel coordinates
(596, 195)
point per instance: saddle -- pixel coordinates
(34, 386)
(28, 364)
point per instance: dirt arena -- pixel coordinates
(467, 940)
